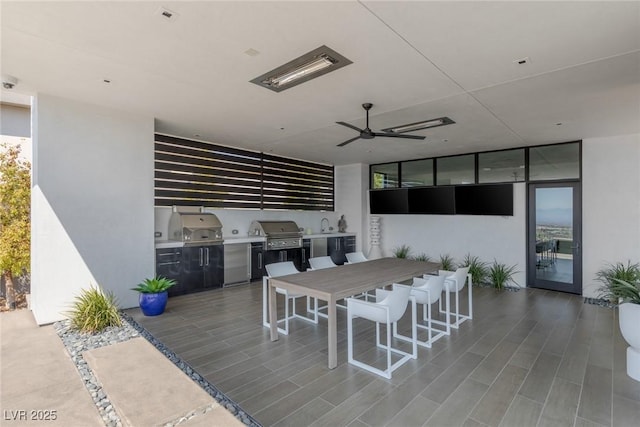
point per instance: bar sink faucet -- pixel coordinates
(322, 227)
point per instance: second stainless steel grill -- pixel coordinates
(279, 234)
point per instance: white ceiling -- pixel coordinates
(413, 60)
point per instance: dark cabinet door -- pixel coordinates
(168, 264)
(257, 261)
(336, 250)
(349, 244)
(305, 255)
(293, 255)
(271, 257)
(296, 256)
(192, 269)
(213, 266)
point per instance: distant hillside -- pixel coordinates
(559, 217)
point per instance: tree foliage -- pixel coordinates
(15, 210)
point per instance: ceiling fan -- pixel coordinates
(367, 133)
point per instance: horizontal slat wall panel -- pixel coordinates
(296, 184)
(195, 173)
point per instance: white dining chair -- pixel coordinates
(318, 263)
(283, 269)
(389, 307)
(454, 283)
(427, 291)
(355, 257)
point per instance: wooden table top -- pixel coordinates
(351, 279)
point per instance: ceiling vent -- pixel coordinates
(312, 64)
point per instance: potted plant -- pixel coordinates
(500, 275)
(153, 295)
(621, 285)
(609, 276)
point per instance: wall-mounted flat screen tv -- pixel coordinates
(392, 201)
(484, 199)
(432, 200)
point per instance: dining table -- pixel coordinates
(334, 284)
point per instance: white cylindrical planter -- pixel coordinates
(374, 234)
(629, 320)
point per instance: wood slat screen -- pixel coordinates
(194, 173)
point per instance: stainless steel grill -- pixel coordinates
(195, 229)
(279, 234)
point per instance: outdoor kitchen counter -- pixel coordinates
(324, 235)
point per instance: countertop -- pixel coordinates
(164, 244)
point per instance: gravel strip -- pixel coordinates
(77, 343)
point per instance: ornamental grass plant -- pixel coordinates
(402, 251)
(478, 269)
(94, 310)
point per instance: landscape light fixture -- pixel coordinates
(425, 124)
(313, 64)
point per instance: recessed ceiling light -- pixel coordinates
(558, 124)
(486, 169)
(425, 124)
(312, 64)
(106, 81)
(251, 52)
(523, 61)
(197, 135)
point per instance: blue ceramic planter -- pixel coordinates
(153, 304)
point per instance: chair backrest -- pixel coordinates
(354, 257)
(433, 284)
(460, 278)
(318, 263)
(281, 269)
(397, 301)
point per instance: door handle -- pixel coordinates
(201, 254)
(260, 260)
(206, 257)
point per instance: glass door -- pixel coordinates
(554, 237)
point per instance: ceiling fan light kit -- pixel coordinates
(367, 133)
(312, 64)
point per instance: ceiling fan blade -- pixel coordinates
(348, 141)
(349, 126)
(395, 135)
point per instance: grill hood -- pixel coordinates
(195, 228)
(274, 229)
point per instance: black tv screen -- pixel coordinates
(392, 201)
(484, 199)
(432, 200)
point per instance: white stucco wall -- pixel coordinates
(610, 204)
(92, 203)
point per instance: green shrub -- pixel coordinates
(422, 257)
(501, 275)
(448, 263)
(94, 310)
(477, 268)
(402, 251)
(618, 280)
(154, 285)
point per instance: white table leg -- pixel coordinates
(333, 333)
